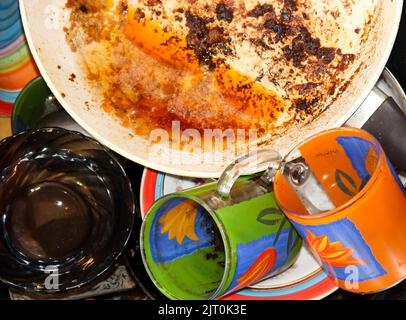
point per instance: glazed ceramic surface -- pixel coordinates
(196, 245)
(36, 107)
(305, 280)
(17, 67)
(359, 242)
(44, 22)
(33, 104)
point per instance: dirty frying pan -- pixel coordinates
(45, 24)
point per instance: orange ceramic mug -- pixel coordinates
(361, 240)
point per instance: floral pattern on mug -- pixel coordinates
(259, 269)
(340, 245)
(180, 229)
(254, 263)
(179, 222)
(332, 253)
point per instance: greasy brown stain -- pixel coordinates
(72, 77)
(196, 86)
(262, 9)
(205, 41)
(224, 12)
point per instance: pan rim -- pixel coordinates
(197, 172)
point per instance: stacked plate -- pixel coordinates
(17, 67)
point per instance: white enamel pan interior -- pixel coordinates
(44, 22)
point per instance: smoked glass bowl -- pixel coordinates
(67, 210)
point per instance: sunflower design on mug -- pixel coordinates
(333, 253)
(179, 222)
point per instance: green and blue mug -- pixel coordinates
(211, 240)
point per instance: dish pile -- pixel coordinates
(125, 69)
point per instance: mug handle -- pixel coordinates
(261, 160)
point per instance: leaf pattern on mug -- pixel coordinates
(371, 161)
(259, 269)
(346, 183)
(332, 253)
(280, 229)
(179, 222)
(267, 216)
(290, 240)
(293, 238)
